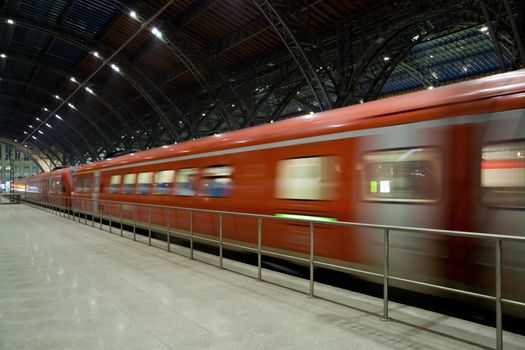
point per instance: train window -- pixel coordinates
(185, 185)
(144, 183)
(114, 184)
(163, 181)
(217, 181)
(405, 175)
(87, 184)
(129, 183)
(503, 174)
(80, 185)
(311, 178)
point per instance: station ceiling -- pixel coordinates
(82, 79)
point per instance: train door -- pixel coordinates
(402, 182)
(96, 191)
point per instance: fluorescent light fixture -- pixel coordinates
(73, 80)
(95, 53)
(49, 126)
(33, 137)
(31, 126)
(71, 105)
(45, 109)
(40, 132)
(88, 89)
(386, 58)
(38, 119)
(3, 55)
(57, 97)
(59, 117)
(133, 14)
(115, 68)
(25, 132)
(10, 21)
(155, 31)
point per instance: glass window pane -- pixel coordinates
(185, 185)
(407, 175)
(503, 174)
(114, 184)
(144, 183)
(163, 181)
(129, 183)
(217, 181)
(311, 178)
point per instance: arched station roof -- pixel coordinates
(81, 79)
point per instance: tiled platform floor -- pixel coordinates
(64, 285)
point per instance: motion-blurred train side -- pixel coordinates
(448, 158)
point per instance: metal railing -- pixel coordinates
(72, 207)
(10, 198)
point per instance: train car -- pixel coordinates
(53, 188)
(448, 158)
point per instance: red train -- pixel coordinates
(449, 158)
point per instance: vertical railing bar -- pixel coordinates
(168, 235)
(311, 293)
(110, 218)
(385, 274)
(149, 225)
(220, 242)
(191, 234)
(259, 247)
(499, 323)
(134, 223)
(121, 219)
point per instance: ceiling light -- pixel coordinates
(95, 53)
(133, 14)
(115, 68)
(203, 114)
(271, 121)
(25, 132)
(73, 80)
(49, 126)
(17, 141)
(57, 97)
(386, 58)
(10, 21)
(415, 38)
(38, 119)
(71, 106)
(45, 109)
(40, 132)
(431, 56)
(484, 29)
(430, 87)
(156, 32)
(31, 126)
(59, 117)
(33, 137)
(3, 55)
(88, 89)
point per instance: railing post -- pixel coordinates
(93, 213)
(499, 323)
(85, 214)
(311, 258)
(134, 223)
(191, 234)
(259, 246)
(169, 229)
(121, 219)
(220, 242)
(149, 225)
(101, 213)
(385, 274)
(110, 218)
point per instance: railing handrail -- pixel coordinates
(456, 233)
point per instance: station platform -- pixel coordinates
(65, 285)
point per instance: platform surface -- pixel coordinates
(64, 285)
